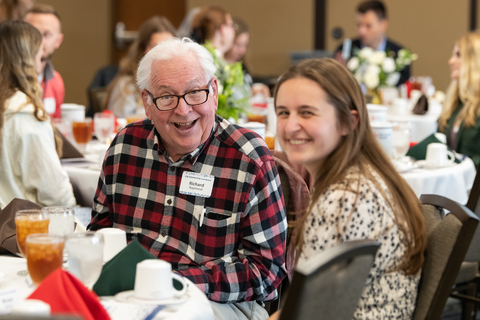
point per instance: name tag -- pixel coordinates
(49, 105)
(197, 184)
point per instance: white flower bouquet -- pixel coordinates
(375, 69)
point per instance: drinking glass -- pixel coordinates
(82, 132)
(104, 126)
(28, 222)
(44, 255)
(400, 139)
(85, 256)
(62, 220)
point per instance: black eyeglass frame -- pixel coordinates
(154, 100)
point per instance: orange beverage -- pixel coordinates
(134, 117)
(82, 130)
(28, 224)
(270, 140)
(257, 118)
(44, 255)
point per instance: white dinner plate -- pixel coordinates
(129, 297)
(2, 275)
(424, 164)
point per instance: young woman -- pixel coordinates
(460, 118)
(322, 123)
(123, 96)
(29, 165)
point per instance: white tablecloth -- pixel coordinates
(453, 182)
(14, 288)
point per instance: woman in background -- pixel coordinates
(29, 165)
(460, 118)
(123, 96)
(214, 24)
(357, 194)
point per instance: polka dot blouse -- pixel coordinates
(355, 209)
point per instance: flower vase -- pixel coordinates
(373, 96)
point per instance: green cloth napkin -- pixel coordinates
(419, 151)
(118, 274)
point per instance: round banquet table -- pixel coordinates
(454, 181)
(14, 288)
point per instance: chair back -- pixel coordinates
(329, 285)
(97, 96)
(473, 253)
(447, 242)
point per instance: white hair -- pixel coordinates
(170, 49)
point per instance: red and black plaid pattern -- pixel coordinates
(238, 252)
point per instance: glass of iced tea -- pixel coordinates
(44, 255)
(28, 222)
(82, 132)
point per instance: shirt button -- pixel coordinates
(164, 233)
(169, 201)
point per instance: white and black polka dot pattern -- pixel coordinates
(355, 209)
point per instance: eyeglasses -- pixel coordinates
(192, 98)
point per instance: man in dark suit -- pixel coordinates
(372, 26)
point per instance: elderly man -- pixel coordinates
(372, 24)
(195, 190)
(45, 18)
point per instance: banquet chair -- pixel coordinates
(448, 238)
(296, 196)
(468, 279)
(96, 96)
(331, 283)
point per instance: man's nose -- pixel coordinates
(183, 107)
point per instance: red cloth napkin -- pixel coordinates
(67, 295)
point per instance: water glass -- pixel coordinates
(400, 139)
(44, 255)
(85, 256)
(62, 220)
(104, 126)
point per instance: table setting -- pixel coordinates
(97, 276)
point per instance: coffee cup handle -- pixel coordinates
(450, 157)
(179, 278)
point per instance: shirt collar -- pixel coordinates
(381, 46)
(48, 72)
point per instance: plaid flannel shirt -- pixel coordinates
(238, 252)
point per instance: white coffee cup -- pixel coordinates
(73, 112)
(383, 133)
(438, 155)
(377, 113)
(399, 106)
(153, 281)
(114, 242)
(257, 127)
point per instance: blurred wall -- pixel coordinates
(86, 45)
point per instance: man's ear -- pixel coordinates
(384, 23)
(147, 103)
(59, 41)
(214, 91)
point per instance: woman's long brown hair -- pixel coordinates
(359, 148)
(19, 44)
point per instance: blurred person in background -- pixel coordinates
(214, 24)
(237, 54)
(14, 9)
(460, 117)
(123, 96)
(46, 19)
(372, 25)
(29, 165)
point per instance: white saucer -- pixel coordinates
(129, 297)
(424, 164)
